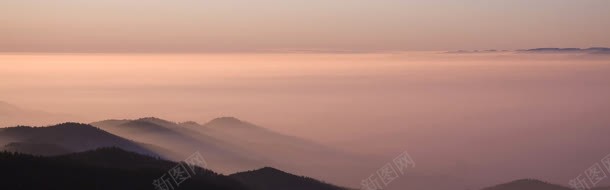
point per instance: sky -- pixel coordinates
(315, 25)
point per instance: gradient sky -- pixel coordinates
(262, 25)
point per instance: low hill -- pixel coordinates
(273, 179)
(527, 184)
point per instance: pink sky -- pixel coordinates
(263, 25)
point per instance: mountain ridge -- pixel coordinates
(103, 168)
(276, 179)
(533, 184)
(543, 50)
(127, 170)
(75, 137)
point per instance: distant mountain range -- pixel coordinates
(532, 184)
(592, 50)
(527, 184)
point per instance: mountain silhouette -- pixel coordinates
(547, 50)
(65, 137)
(533, 184)
(115, 168)
(527, 184)
(592, 50)
(142, 125)
(228, 121)
(104, 168)
(268, 178)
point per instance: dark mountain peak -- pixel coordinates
(62, 128)
(271, 178)
(265, 171)
(528, 181)
(527, 184)
(75, 128)
(69, 126)
(72, 124)
(269, 170)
